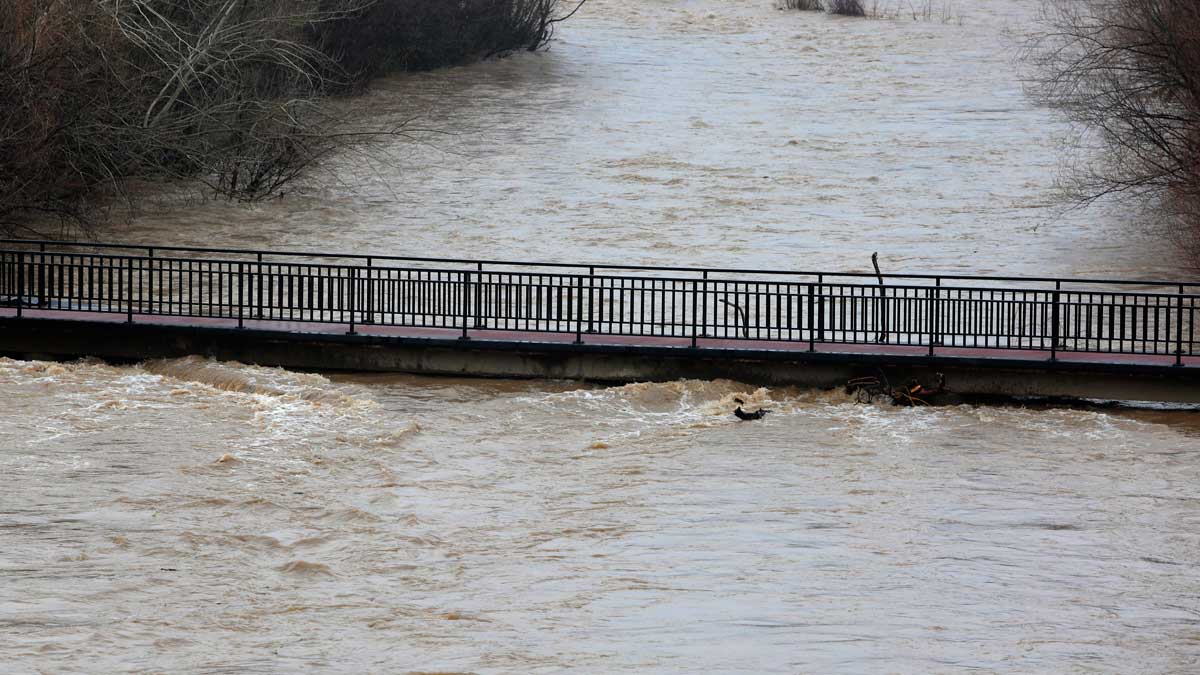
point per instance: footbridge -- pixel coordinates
(990, 335)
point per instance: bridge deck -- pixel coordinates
(1114, 338)
(631, 341)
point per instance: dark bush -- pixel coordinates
(847, 7)
(393, 35)
(844, 7)
(804, 5)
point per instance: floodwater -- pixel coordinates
(195, 516)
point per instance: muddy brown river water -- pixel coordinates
(196, 516)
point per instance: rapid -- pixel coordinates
(189, 515)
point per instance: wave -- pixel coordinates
(306, 568)
(248, 379)
(678, 404)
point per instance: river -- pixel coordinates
(197, 516)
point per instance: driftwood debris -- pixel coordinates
(747, 416)
(911, 394)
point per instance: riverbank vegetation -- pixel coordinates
(924, 10)
(1127, 73)
(385, 36)
(229, 93)
(844, 7)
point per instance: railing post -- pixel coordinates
(1054, 314)
(479, 295)
(241, 294)
(937, 315)
(466, 304)
(1179, 329)
(129, 289)
(20, 283)
(352, 279)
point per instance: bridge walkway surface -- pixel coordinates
(451, 336)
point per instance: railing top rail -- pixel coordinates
(588, 266)
(868, 280)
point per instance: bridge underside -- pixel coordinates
(46, 334)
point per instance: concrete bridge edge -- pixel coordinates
(66, 340)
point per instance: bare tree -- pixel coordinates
(1127, 73)
(44, 56)
(229, 92)
(97, 92)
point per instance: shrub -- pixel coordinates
(917, 10)
(392, 35)
(847, 7)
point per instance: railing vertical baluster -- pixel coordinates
(810, 322)
(241, 293)
(695, 307)
(258, 278)
(578, 313)
(591, 299)
(1054, 312)
(128, 290)
(779, 298)
(465, 296)
(350, 295)
(478, 314)
(1191, 324)
(20, 283)
(820, 308)
(41, 275)
(931, 320)
(190, 266)
(1179, 328)
(370, 317)
(149, 303)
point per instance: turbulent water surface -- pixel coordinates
(197, 516)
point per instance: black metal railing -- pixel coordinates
(690, 304)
